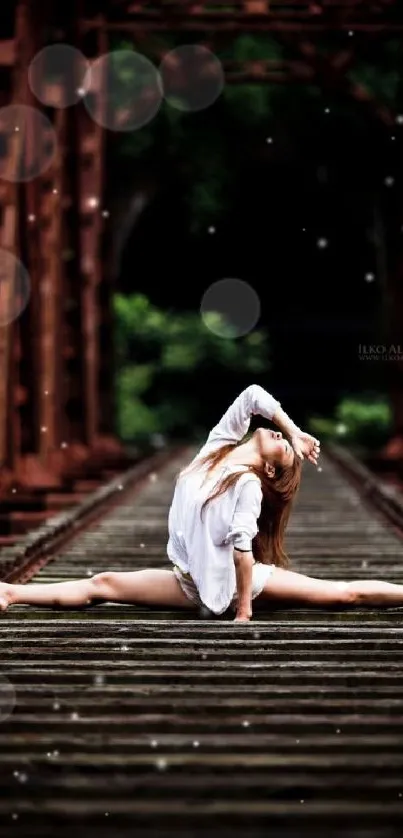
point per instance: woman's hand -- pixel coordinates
(307, 446)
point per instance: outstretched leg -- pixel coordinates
(295, 588)
(147, 587)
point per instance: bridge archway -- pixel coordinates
(58, 409)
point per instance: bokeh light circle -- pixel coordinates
(15, 287)
(7, 698)
(56, 75)
(230, 308)
(192, 77)
(122, 91)
(28, 143)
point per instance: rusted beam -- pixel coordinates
(240, 24)
(91, 144)
(306, 9)
(51, 298)
(7, 53)
(10, 431)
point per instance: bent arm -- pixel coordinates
(286, 425)
(234, 424)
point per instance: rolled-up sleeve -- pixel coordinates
(244, 525)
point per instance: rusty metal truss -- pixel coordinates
(55, 372)
(254, 15)
(56, 382)
(217, 22)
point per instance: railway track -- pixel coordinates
(125, 720)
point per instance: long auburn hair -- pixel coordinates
(278, 494)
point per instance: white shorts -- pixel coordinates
(260, 574)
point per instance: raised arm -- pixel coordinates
(234, 424)
(254, 400)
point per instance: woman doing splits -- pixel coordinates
(226, 529)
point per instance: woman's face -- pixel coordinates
(273, 448)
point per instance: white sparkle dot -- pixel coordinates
(64, 445)
(107, 814)
(341, 429)
(389, 181)
(302, 801)
(120, 488)
(337, 731)
(322, 243)
(245, 723)
(161, 764)
(46, 392)
(54, 191)
(369, 277)
(99, 680)
(16, 128)
(80, 91)
(256, 635)
(31, 217)
(393, 138)
(204, 656)
(327, 110)
(154, 743)
(56, 705)
(55, 753)
(23, 778)
(13, 491)
(399, 119)
(196, 744)
(320, 468)
(15, 816)
(269, 140)
(211, 230)
(105, 214)
(351, 33)
(93, 202)
(124, 648)
(74, 717)
(142, 545)
(43, 429)
(153, 477)
(16, 773)
(297, 741)
(89, 572)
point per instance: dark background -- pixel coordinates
(324, 173)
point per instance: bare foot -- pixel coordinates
(5, 596)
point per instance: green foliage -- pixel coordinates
(251, 104)
(383, 79)
(364, 420)
(384, 86)
(135, 419)
(165, 360)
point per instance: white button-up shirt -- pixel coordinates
(204, 546)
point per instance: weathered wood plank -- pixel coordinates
(133, 719)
